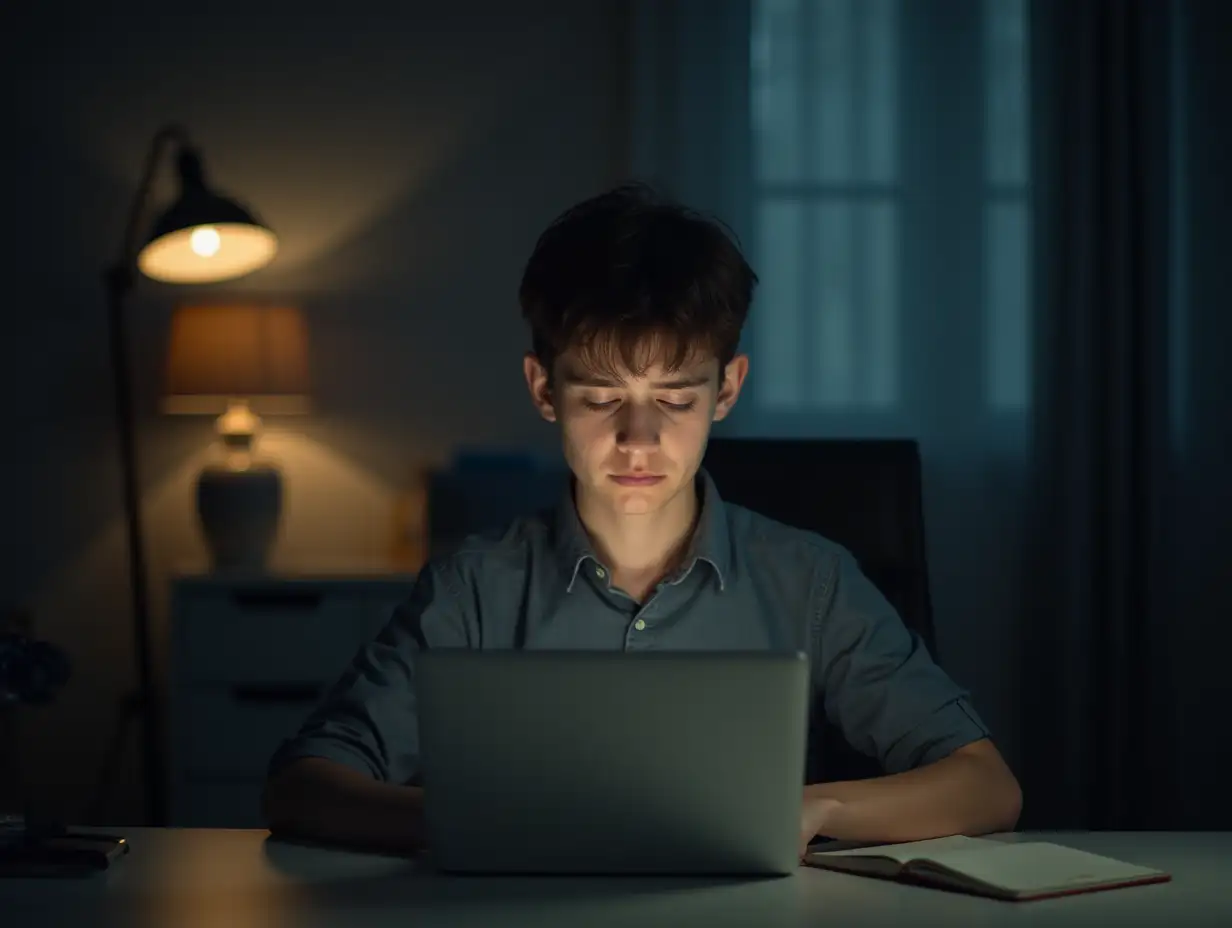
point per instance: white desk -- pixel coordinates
(190, 878)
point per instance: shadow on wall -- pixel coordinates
(426, 346)
(325, 133)
(63, 487)
(399, 369)
(332, 506)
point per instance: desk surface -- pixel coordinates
(190, 878)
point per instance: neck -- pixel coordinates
(639, 545)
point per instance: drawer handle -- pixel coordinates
(305, 600)
(276, 693)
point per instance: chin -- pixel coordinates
(642, 501)
(636, 505)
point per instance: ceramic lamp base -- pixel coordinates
(240, 511)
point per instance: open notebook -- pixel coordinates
(997, 869)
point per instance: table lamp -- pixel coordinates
(235, 362)
(203, 237)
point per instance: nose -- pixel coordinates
(637, 428)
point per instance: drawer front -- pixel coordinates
(272, 636)
(217, 803)
(234, 730)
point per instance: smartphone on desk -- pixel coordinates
(63, 855)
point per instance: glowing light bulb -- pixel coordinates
(205, 241)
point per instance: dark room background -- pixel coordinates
(997, 226)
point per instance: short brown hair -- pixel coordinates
(629, 278)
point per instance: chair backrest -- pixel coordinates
(482, 490)
(863, 494)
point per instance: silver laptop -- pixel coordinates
(613, 763)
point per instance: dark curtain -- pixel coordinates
(1107, 620)
(1200, 614)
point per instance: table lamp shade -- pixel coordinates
(221, 353)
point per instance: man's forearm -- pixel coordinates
(319, 798)
(971, 792)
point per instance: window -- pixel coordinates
(845, 293)
(1006, 219)
(825, 162)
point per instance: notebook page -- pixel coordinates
(1039, 867)
(913, 850)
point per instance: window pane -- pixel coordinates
(853, 304)
(830, 90)
(1005, 99)
(832, 305)
(851, 85)
(775, 76)
(881, 90)
(879, 361)
(1006, 298)
(777, 309)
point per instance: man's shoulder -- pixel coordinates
(766, 539)
(496, 553)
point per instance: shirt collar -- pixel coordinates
(710, 542)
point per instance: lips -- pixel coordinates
(637, 480)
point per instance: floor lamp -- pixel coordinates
(201, 238)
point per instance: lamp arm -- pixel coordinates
(120, 278)
(122, 271)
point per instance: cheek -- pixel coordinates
(687, 434)
(586, 436)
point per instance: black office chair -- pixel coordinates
(863, 494)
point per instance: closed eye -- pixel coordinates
(612, 403)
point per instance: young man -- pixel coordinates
(635, 308)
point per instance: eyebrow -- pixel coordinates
(678, 383)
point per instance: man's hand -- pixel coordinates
(312, 797)
(970, 792)
(813, 817)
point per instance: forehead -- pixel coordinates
(627, 356)
(577, 368)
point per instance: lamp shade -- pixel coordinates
(218, 354)
(204, 237)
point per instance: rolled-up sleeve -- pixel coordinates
(367, 719)
(881, 686)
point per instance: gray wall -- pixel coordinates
(408, 157)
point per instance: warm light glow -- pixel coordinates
(184, 256)
(238, 428)
(239, 421)
(205, 241)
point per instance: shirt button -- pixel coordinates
(600, 572)
(640, 625)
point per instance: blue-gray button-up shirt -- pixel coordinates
(747, 583)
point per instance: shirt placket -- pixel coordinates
(639, 631)
(640, 635)
(601, 582)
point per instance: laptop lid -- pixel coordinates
(610, 762)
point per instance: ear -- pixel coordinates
(731, 379)
(538, 382)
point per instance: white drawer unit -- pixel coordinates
(250, 656)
